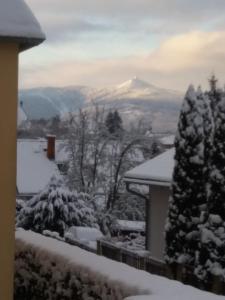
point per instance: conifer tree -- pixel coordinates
(188, 194)
(109, 122)
(204, 105)
(118, 123)
(114, 123)
(211, 257)
(56, 209)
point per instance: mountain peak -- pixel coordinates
(135, 84)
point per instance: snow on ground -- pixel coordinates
(155, 287)
(159, 169)
(17, 20)
(133, 242)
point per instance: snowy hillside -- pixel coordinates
(136, 89)
(135, 99)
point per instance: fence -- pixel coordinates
(181, 273)
(80, 245)
(130, 258)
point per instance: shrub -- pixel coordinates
(56, 209)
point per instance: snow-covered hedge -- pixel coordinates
(49, 269)
(46, 269)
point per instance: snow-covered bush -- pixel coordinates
(56, 209)
(19, 205)
(52, 270)
(47, 269)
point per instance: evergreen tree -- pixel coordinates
(188, 188)
(204, 104)
(56, 209)
(114, 123)
(109, 122)
(118, 123)
(211, 257)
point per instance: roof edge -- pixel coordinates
(25, 43)
(140, 181)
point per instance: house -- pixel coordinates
(157, 175)
(38, 160)
(19, 31)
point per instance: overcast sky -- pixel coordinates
(170, 43)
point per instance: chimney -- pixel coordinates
(50, 146)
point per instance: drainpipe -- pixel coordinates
(147, 210)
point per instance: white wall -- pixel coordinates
(157, 212)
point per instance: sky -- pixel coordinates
(169, 43)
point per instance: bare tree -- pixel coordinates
(99, 159)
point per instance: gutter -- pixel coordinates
(135, 180)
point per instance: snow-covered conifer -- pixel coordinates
(188, 193)
(56, 209)
(211, 257)
(205, 109)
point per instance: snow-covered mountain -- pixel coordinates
(135, 99)
(135, 89)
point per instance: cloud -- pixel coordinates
(114, 8)
(68, 18)
(178, 60)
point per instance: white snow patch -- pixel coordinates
(84, 233)
(17, 20)
(130, 225)
(158, 288)
(167, 140)
(21, 116)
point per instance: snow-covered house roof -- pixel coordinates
(21, 116)
(167, 140)
(34, 169)
(18, 23)
(157, 171)
(128, 225)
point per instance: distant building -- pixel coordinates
(38, 160)
(157, 175)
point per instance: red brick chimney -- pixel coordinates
(50, 146)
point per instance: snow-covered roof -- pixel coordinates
(167, 140)
(84, 233)
(157, 171)
(34, 169)
(18, 23)
(21, 116)
(130, 225)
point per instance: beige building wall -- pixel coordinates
(8, 122)
(157, 212)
